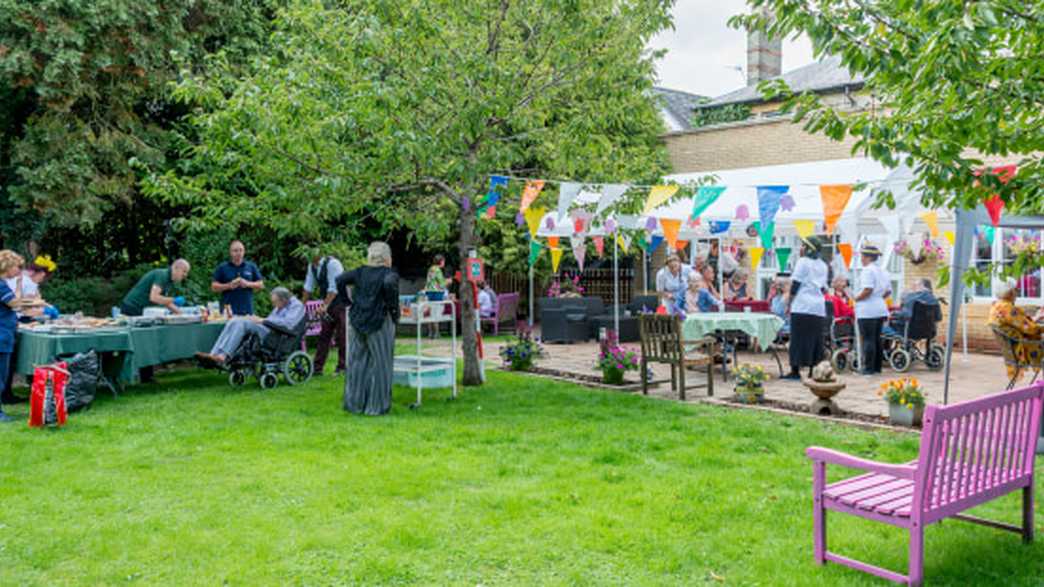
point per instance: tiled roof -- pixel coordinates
(678, 105)
(820, 76)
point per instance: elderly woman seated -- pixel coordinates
(736, 286)
(696, 297)
(287, 313)
(1014, 322)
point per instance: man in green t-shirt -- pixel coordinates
(155, 288)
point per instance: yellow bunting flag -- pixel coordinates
(805, 228)
(950, 236)
(846, 252)
(931, 218)
(556, 258)
(670, 230)
(533, 218)
(658, 195)
(835, 198)
(624, 242)
(531, 192)
(552, 241)
(755, 256)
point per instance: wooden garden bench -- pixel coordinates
(662, 342)
(971, 453)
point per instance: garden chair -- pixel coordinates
(1008, 343)
(505, 311)
(662, 342)
(971, 453)
(314, 320)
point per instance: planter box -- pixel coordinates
(903, 416)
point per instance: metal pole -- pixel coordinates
(531, 297)
(616, 289)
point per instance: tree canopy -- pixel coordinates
(396, 113)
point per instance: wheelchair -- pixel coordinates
(839, 341)
(902, 350)
(279, 352)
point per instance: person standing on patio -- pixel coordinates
(236, 280)
(871, 311)
(372, 316)
(807, 309)
(322, 275)
(671, 279)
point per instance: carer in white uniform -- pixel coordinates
(870, 308)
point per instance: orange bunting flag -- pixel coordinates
(680, 245)
(835, 198)
(931, 218)
(846, 253)
(670, 230)
(552, 241)
(755, 256)
(658, 195)
(599, 245)
(531, 192)
(556, 258)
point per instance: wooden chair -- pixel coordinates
(314, 319)
(662, 342)
(971, 453)
(1008, 345)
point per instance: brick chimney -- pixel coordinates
(764, 56)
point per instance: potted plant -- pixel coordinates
(750, 383)
(614, 361)
(905, 399)
(522, 352)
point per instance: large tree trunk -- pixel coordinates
(468, 242)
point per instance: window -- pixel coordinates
(1004, 249)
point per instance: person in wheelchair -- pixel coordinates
(921, 293)
(287, 313)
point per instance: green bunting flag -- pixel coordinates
(767, 232)
(782, 256)
(534, 251)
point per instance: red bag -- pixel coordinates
(47, 401)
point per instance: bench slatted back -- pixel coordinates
(976, 450)
(661, 338)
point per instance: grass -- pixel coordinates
(521, 482)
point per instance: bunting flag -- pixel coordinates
(742, 212)
(465, 204)
(658, 195)
(769, 200)
(650, 223)
(719, 226)
(755, 256)
(931, 218)
(530, 193)
(846, 253)
(610, 193)
(805, 228)
(599, 244)
(581, 220)
(670, 230)
(610, 226)
(705, 196)
(520, 219)
(783, 255)
(552, 241)
(990, 232)
(556, 258)
(654, 243)
(533, 216)
(567, 192)
(491, 212)
(496, 183)
(835, 198)
(579, 250)
(951, 237)
(623, 241)
(787, 203)
(534, 251)
(679, 245)
(549, 223)
(994, 205)
(766, 232)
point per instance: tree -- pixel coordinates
(83, 95)
(394, 113)
(960, 83)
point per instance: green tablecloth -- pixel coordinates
(763, 327)
(132, 348)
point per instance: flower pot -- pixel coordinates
(612, 376)
(903, 416)
(753, 394)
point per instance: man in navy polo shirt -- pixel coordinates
(236, 280)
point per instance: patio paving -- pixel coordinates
(972, 376)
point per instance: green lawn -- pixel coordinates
(521, 482)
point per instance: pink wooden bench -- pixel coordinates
(971, 453)
(314, 319)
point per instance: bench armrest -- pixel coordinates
(833, 457)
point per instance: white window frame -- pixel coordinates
(997, 256)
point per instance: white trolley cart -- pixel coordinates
(420, 371)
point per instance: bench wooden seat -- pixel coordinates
(971, 453)
(662, 343)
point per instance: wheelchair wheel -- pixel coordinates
(935, 358)
(268, 380)
(236, 378)
(297, 368)
(899, 360)
(839, 361)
